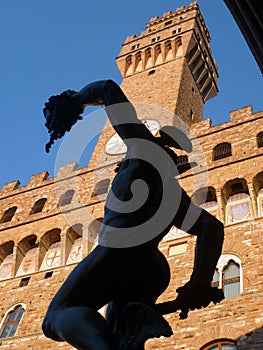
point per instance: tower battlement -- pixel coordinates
(170, 18)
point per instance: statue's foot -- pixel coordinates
(142, 323)
(194, 297)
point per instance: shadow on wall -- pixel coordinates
(251, 340)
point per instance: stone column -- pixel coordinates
(221, 206)
(64, 245)
(253, 200)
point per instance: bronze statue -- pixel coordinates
(119, 272)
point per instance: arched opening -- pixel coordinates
(260, 139)
(93, 230)
(50, 249)
(101, 188)
(222, 150)
(237, 199)
(66, 198)
(228, 275)
(8, 215)
(6, 259)
(11, 321)
(75, 242)
(38, 206)
(27, 255)
(206, 198)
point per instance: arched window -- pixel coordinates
(6, 259)
(260, 139)
(50, 249)
(93, 231)
(228, 275)
(28, 264)
(222, 150)
(26, 255)
(231, 280)
(238, 208)
(224, 344)
(38, 206)
(206, 198)
(53, 257)
(66, 198)
(101, 188)
(11, 321)
(182, 164)
(210, 206)
(76, 241)
(76, 252)
(8, 214)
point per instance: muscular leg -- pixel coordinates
(82, 327)
(72, 315)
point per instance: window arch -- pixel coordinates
(11, 321)
(8, 214)
(38, 206)
(229, 276)
(221, 344)
(27, 255)
(222, 150)
(260, 139)
(66, 198)
(238, 208)
(206, 198)
(101, 187)
(93, 231)
(50, 249)
(76, 243)
(6, 259)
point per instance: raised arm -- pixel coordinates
(62, 111)
(119, 109)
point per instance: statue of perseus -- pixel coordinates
(126, 270)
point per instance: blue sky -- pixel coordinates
(49, 46)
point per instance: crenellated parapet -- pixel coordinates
(172, 18)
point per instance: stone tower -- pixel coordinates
(170, 64)
(168, 70)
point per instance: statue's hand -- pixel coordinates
(194, 295)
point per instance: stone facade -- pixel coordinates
(169, 65)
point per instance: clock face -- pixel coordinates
(116, 146)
